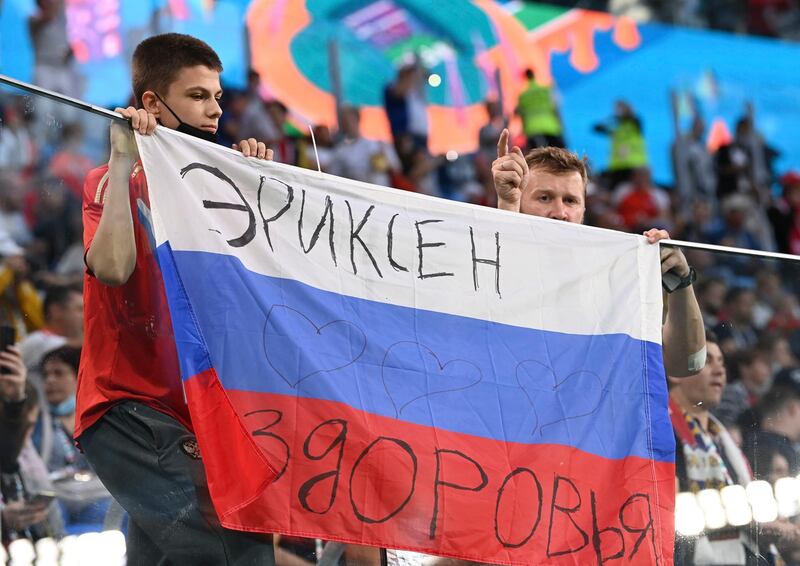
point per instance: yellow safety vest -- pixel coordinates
(538, 112)
(628, 150)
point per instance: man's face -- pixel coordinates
(705, 389)
(194, 96)
(560, 197)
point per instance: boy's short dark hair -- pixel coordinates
(157, 61)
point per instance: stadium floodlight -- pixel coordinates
(688, 515)
(21, 552)
(711, 504)
(737, 508)
(762, 501)
(787, 494)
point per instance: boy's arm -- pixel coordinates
(112, 255)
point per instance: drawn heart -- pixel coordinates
(558, 399)
(411, 371)
(297, 348)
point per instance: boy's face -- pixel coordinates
(194, 96)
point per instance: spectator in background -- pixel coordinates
(769, 293)
(70, 164)
(776, 436)
(733, 164)
(256, 119)
(541, 119)
(60, 381)
(732, 229)
(22, 472)
(458, 178)
(407, 109)
(12, 219)
(321, 147)
(706, 455)
(55, 63)
(628, 148)
(55, 228)
(641, 204)
(737, 331)
(753, 380)
(356, 157)
(17, 148)
(694, 166)
(487, 149)
(711, 292)
(784, 215)
(20, 304)
(63, 317)
(779, 354)
(772, 18)
(698, 220)
(283, 147)
(745, 165)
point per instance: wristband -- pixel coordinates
(672, 282)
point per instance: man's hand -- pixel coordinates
(672, 259)
(19, 515)
(123, 143)
(510, 173)
(12, 383)
(252, 148)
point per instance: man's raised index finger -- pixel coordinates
(502, 143)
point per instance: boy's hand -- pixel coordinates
(123, 143)
(252, 148)
(12, 383)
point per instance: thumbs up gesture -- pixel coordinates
(510, 173)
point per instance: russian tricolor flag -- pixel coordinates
(384, 368)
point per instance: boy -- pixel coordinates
(131, 419)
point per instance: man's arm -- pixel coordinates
(112, 255)
(684, 336)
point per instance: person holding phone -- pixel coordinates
(20, 515)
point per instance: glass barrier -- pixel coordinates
(751, 304)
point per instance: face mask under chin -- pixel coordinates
(185, 128)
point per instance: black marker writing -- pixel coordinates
(355, 235)
(537, 506)
(495, 262)
(421, 245)
(327, 212)
(389, 242)
(484, 479)
(339, 440)
(281, 212)
(568, 512)
(250, 232)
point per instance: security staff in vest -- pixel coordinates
(541, 120)
(628, 149)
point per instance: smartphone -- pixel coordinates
(41, 498)
(8, 337)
